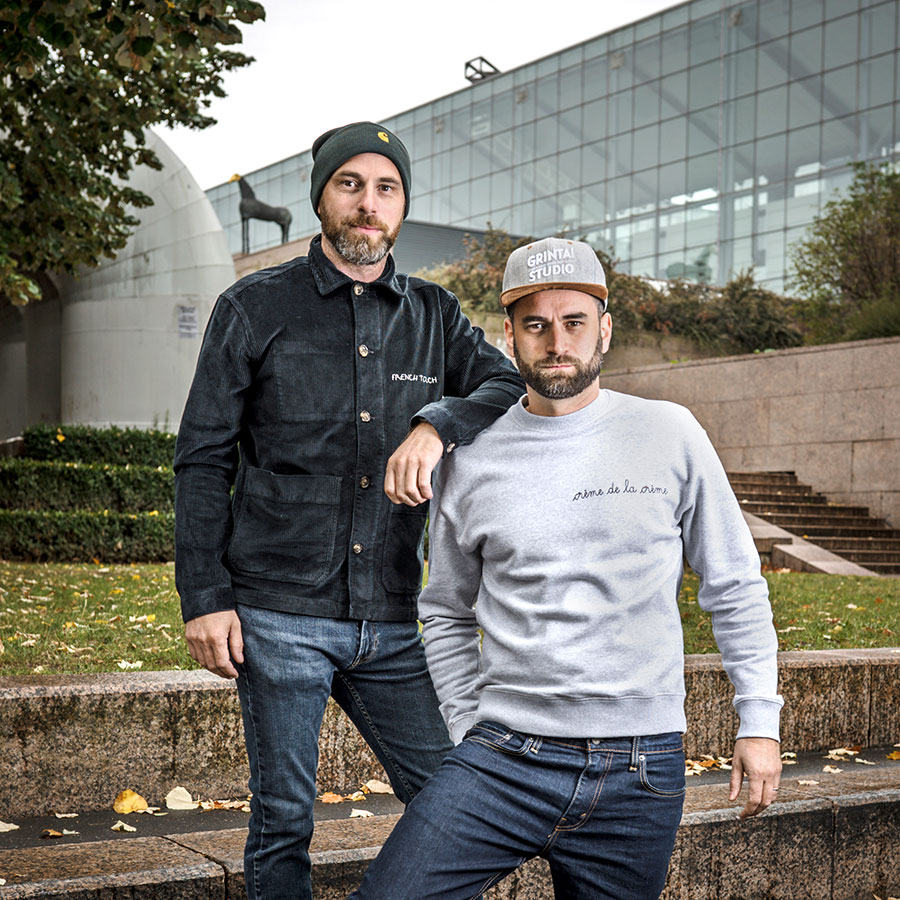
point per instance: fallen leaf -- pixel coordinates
(2, 881)
(121, 826)
(66, 815)
(8, 826)
(357, 795)
(832, 770)
(360, 814)
(374, 786)
(124, 664)
(149, 810)
(845, 751)
(864, 762)
(806, 781)
(894, 755)
(788, 754)
(51, 833)
(332, 797)
(179, 798)
(67, 832)
(128, 801)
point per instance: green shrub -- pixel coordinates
(113, 445)
(85, 536)
(37, 484)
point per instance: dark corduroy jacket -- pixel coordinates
(306, 383)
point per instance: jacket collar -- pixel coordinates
(329, 279)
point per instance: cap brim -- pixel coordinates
(513, 294)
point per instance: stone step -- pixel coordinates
(786, 478)
(763, 496)
(814, 531)
(832, 836)
(827, 523)
(884, 568)
(765, 509)
(870, 543)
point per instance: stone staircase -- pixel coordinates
(848, 531)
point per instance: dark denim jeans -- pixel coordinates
(603, 812)
(376, 672)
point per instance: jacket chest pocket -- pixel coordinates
(285, 526)
(312, 383)
(402, 562)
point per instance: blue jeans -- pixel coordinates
(376, 672)
(603, 812)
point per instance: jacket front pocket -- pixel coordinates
(402, 563)
(285, 525)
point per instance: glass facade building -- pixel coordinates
(696, 142)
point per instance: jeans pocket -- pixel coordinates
(662, 773)
(401, 571)
(497, 737)
(284, 527)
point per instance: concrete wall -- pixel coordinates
(831, 414)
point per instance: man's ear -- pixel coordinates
(510, 337)
(605, 331)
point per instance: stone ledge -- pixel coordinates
(159, 729)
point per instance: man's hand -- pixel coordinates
(760, 760)
(407, 478)
(214, 640)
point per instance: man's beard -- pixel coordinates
(356, 248)
(560, 386)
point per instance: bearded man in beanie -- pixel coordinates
(326, 390)
(551, 620)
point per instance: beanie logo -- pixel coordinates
(383, 136)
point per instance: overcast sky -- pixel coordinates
(322, 64)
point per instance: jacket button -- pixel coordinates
(358, 289)
(366, 416)
(363, 350)
(357, 548)
(364, 481)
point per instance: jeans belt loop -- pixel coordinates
(635, 747)
(535, 744)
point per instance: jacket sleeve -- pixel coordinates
(206, 461)
(720, 549)
(447, 612)
(480, 383)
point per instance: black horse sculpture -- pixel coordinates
(251, 208)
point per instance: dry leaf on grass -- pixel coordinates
(361, 814)
(179, 798)
(121, 826)
(129, 801)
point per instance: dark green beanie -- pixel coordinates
(335, 147)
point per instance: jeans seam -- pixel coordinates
(398, 773)
(257, 889)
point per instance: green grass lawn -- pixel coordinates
(57, 618)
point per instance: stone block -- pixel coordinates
(136, 868)
(825, 368)
(771, 458)
(773, 856)
(874, 363)
(891, 412)
(825, 466)
(741, 422)
(866, 851)
(711, 720)
(794, 422)
(876, 465)
(854, 414)
(802, 556)
(531, 881)
(884, 709)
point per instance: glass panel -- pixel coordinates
(593, 162)
(569, 166)
(773, 18)
(523, 143)
(620, 72)
(674, 50)
(740, 73)
(740, 120)
(502, 150)
(646, 104)
(619, 159)
(647, 60)
(620, 112)
(770, 208)
(806, 53)
(460, 126)
(703, 177)
(804, 204)
(805, 101)
(672, 182)
(547, 219)
(570, 128)
(770, 158)
(643, 241)
(646, 147)
(595, 78)
(522, 219)
(421, 176)
(803, 151)
(524, 103)
(546, 136)
(703, 131)
(460, 166)
(805, 13)
(839, 92)
(570, 87)
(840, 41)
(771, 111)
(741, 215)
(569, 203)
(593, 204)
(704, 85)
(737, 168)
(420, 145)
(618, 194)
(705, 39)
(594, 121)
(673, 95)
(547, 94)
(876, 81)
(839, 141)
(774, 59)
(644, 192)
(480, 158)
(671, 233)
(503, 111)
(480, 197)
(877, 29)
(672, 140)
(523, 183)
(875, 132)
(740, 27)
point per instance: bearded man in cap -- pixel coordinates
(326, 390)
(551, 621)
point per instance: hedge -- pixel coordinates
(85, 536)
(112, 445)
(39, 485)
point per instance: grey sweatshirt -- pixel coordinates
(562, 539)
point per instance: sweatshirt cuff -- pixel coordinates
(759, 718)
(459, 726)
(201, 603)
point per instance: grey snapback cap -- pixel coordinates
(553, 263)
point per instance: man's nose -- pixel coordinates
(556, 340)
(368, 198)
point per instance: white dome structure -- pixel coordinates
(130, 330)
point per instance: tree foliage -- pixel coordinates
(741, 317)
(848, 266)
(80, 81)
